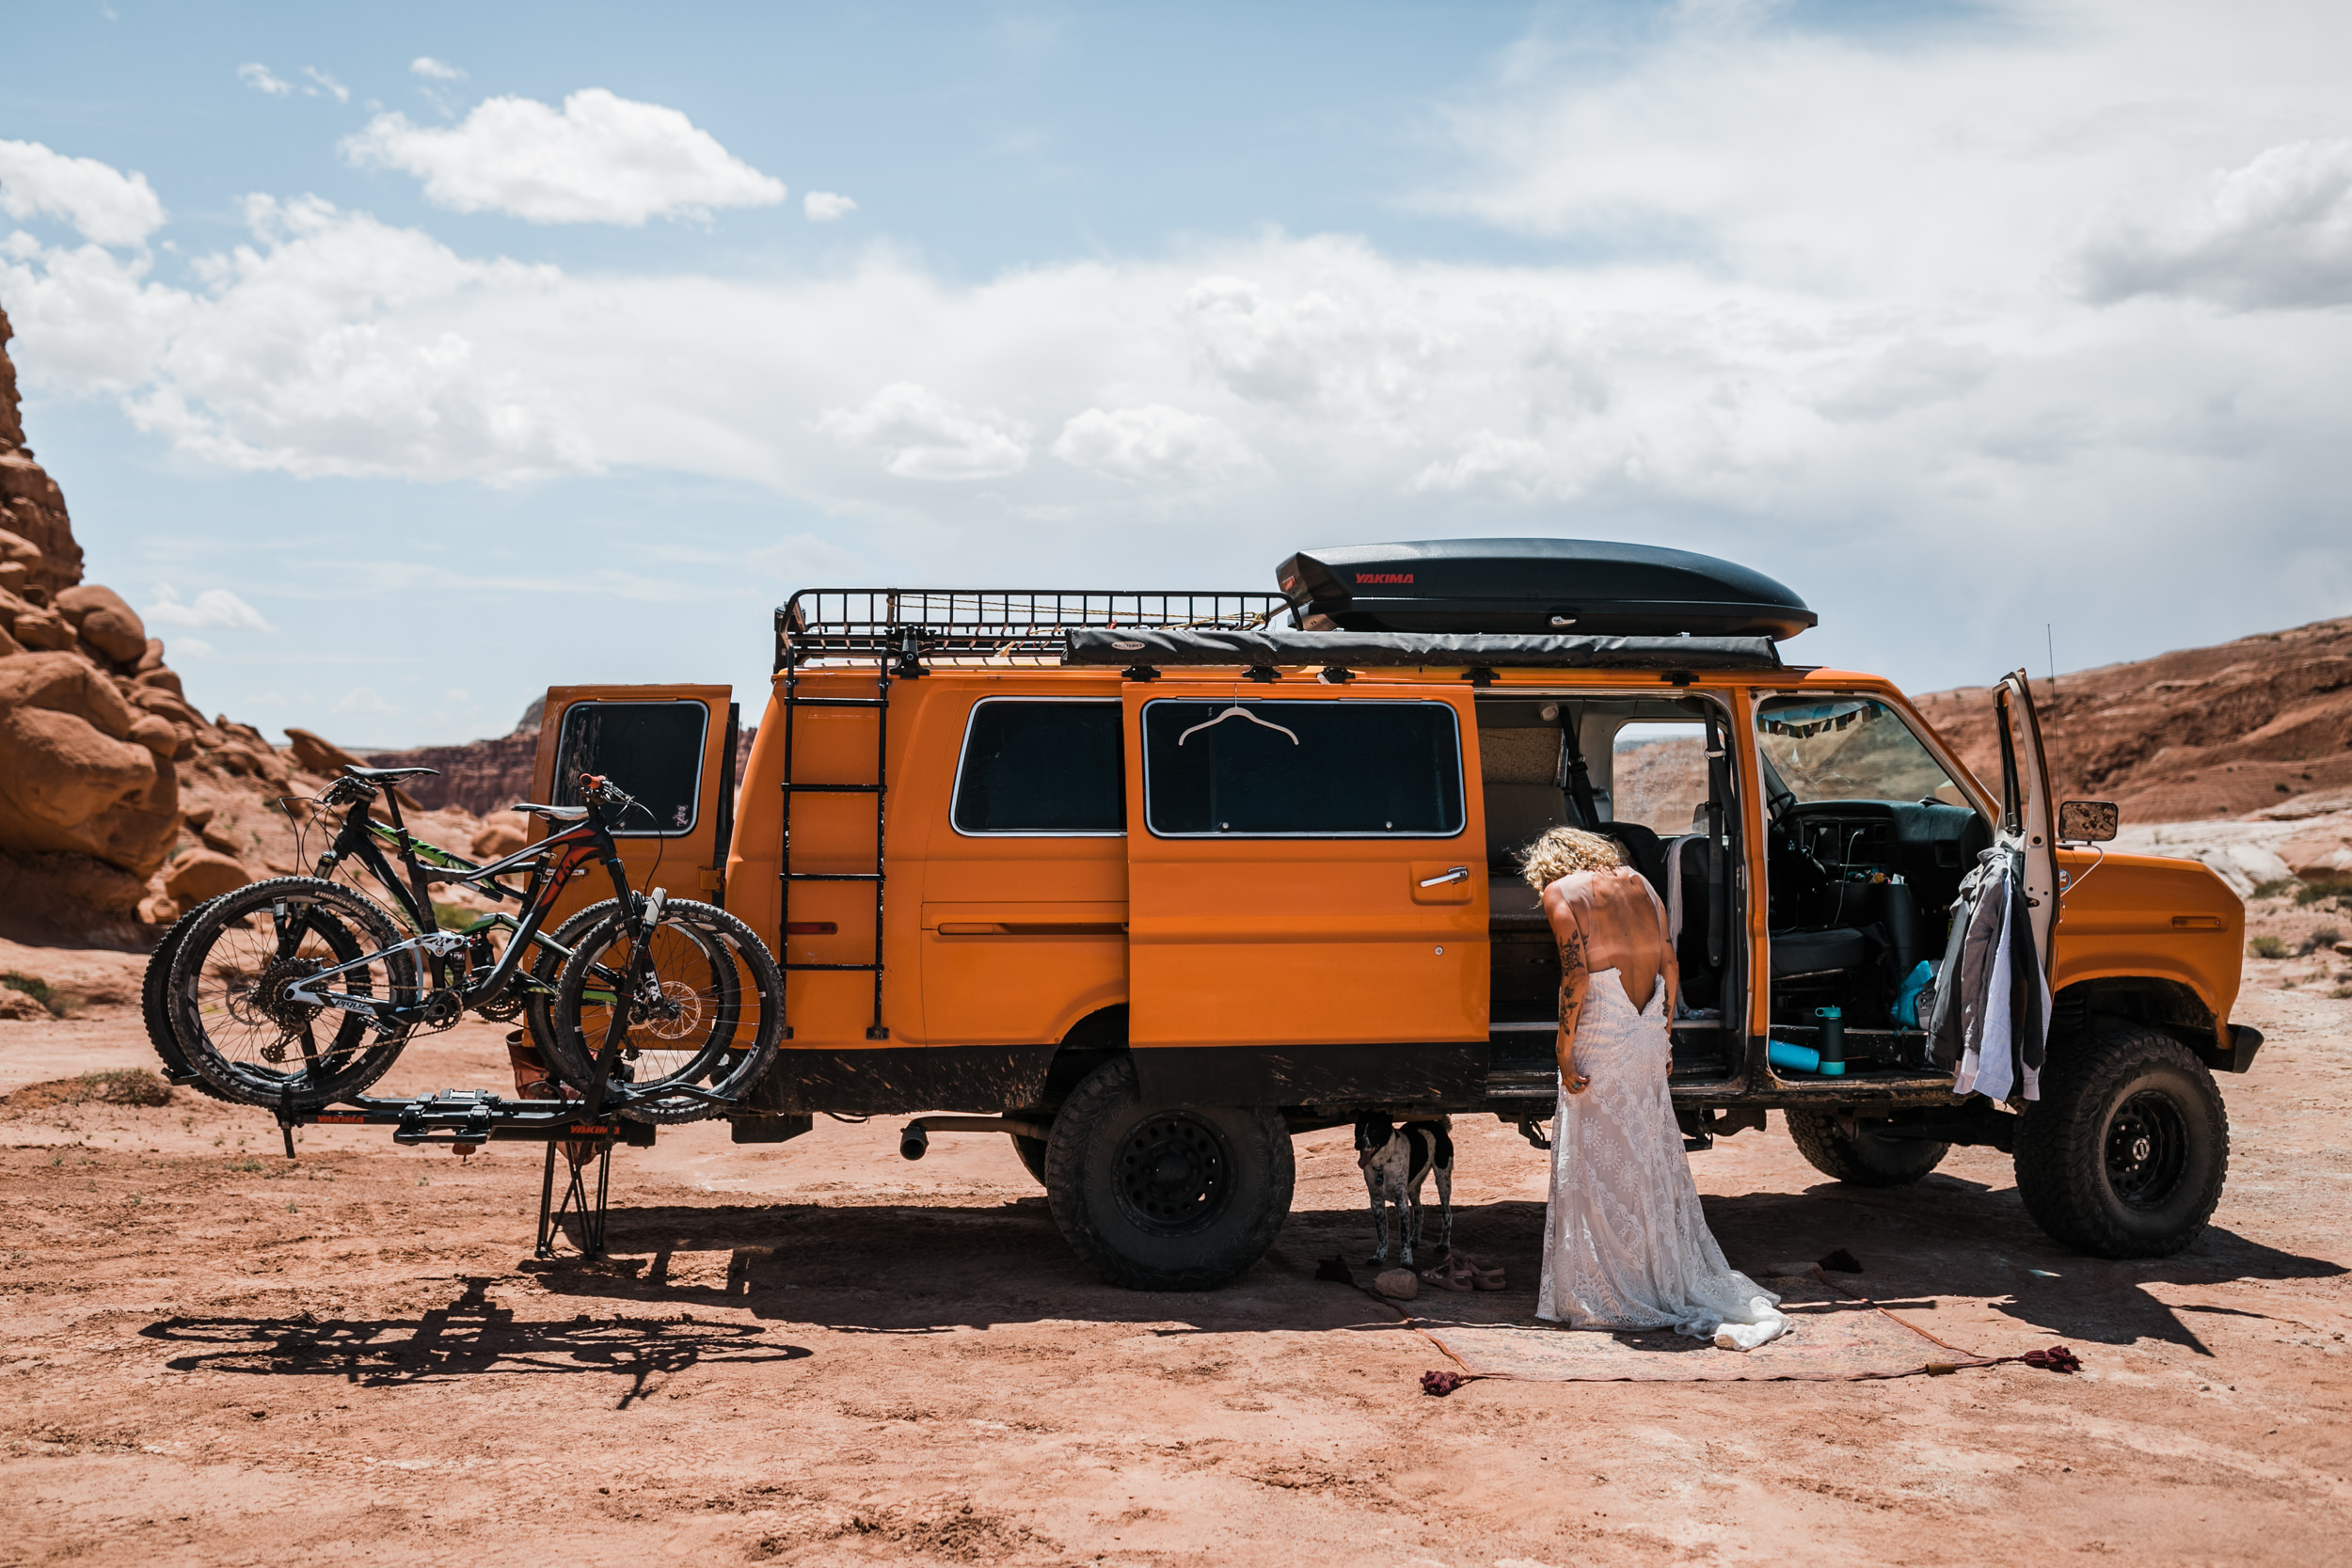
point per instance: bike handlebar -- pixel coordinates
(597, 790)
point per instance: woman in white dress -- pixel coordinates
(1625, 1245)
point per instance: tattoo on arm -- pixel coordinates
(1574, 979)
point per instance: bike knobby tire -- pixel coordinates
(155, 1007)
(231, 1020)
(701, 1009)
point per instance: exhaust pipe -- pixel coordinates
(916, 1140)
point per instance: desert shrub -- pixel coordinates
(2307, 893)
(2268, 947)
(2277, 887)
(2324, 937)
(38, 990)
(129, 1085)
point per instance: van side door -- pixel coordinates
(1307, 893)
(672, 747)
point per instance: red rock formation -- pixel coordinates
(2187, 736)
(108, 777)
(486, 776)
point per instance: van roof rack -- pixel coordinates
(961, 626)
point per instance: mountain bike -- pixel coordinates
(298, 992)
(534, 985)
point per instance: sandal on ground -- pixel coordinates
(1448, 1274)
(1480, 1276)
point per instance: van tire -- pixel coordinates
(1230, 1166)
(1861, 1159)
(2125, 1153)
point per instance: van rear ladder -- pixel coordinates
(902, 628)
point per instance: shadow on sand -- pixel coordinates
(469, 1337)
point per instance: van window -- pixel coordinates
(1041, 767)
(653, 751)
(1283, 769)
(1848, 748)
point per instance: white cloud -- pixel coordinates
(331, 345)
(923, 435)
(600, 159)
(1152, 445)
(2276, 233)
(435, 71)
(213, 606)
(101, 201)
(1834, 322)
(191, 647)
(323, 83)
(826, 206)
(258, 77)
(361, 701)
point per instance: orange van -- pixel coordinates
(1153, 881)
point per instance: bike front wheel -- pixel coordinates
(230, 1002)
(692, 1014)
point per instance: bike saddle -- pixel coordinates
(553, 814)
(353, 769)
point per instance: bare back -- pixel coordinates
(1602, 920)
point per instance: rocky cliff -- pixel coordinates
(2199, 734)
(119, 801)
(487, 776)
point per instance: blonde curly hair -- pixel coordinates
(1564, 850)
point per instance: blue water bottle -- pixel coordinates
(1833, 1041)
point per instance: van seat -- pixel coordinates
(1513, 905)
(1519, 814)
(1817, 952)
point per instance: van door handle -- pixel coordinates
(1459, 874)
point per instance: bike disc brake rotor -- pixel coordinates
(676, 1017)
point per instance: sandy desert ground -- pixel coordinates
(820, 1352)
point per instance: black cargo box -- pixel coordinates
(1590, 587)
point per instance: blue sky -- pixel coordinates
(435, 356)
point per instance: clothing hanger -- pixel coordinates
(1235, 711)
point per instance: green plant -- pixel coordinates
(2341, 993)
(2277, 887)
(2268, 947)
(2307, 893)
(38, 990)
(2322, 936)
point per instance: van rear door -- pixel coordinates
(672, 747)
(2027, 816)
(1307, 893)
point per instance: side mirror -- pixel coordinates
(2087, 821)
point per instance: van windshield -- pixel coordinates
(1848, 748)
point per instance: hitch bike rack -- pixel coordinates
(465, 1120)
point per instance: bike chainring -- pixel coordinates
(506, 1009)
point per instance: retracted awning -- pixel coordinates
(1370, 649)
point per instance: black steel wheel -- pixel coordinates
(234, 1009)
(1173, 1173)
(2125, 1153)
(1165, 1199)
(1861, 1158)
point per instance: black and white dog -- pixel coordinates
(1396, 1160)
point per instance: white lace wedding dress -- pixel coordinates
(1625, 1244)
